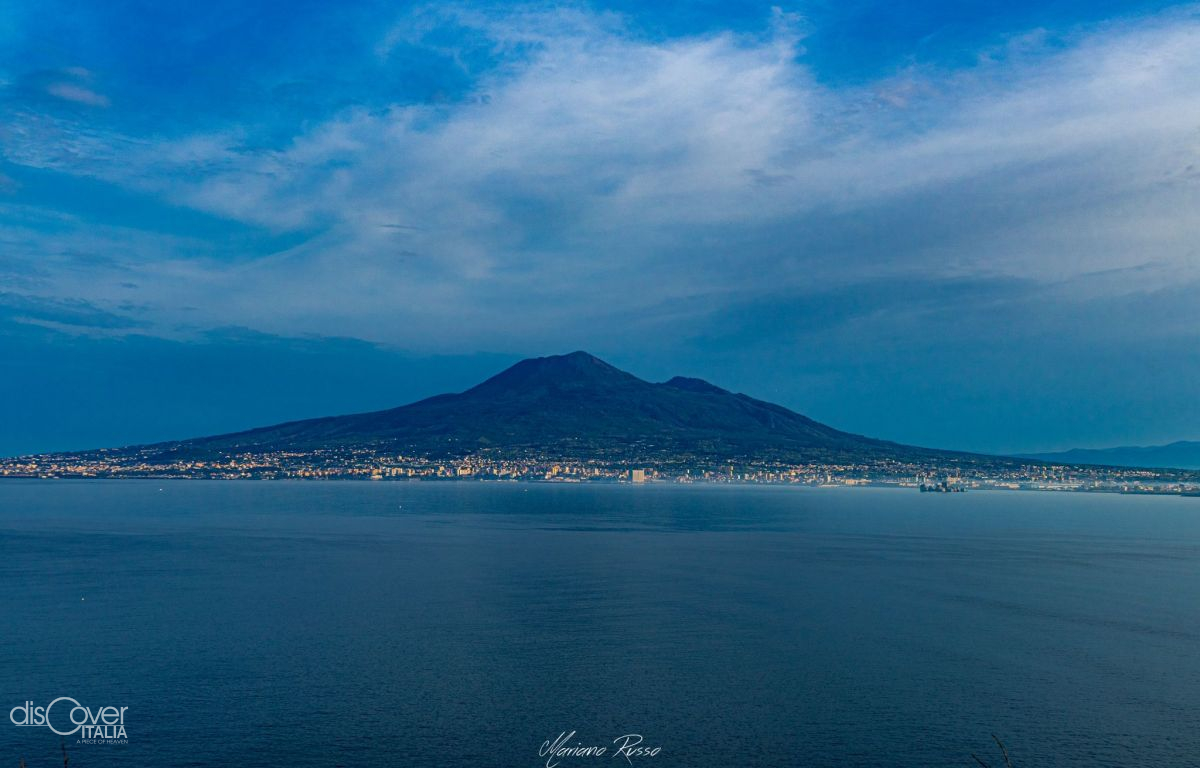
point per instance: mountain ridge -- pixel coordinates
(577, 418)
(1181, 454)
(573, 406)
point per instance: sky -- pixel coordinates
(951, 223)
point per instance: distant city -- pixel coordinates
(574, 418)
(365, 464)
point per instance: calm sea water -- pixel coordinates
(461, 624)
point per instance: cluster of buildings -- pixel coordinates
(366, 464)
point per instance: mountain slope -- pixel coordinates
(1183, 454)
(572, 405)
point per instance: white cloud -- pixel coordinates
(599, 176)
(77, 93)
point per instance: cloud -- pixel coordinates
(595, 178)
(57, 313)
(70, 84)
(77, 93)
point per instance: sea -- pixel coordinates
(279, 623)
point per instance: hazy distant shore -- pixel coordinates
(1187, 488)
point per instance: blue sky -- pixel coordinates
(961, 224)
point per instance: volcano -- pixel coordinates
(569, 406)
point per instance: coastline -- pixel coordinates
(1188, 491)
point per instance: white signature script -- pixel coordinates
(628, 746)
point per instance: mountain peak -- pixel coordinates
(573, 370)
(565, 406)
(578, 357)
